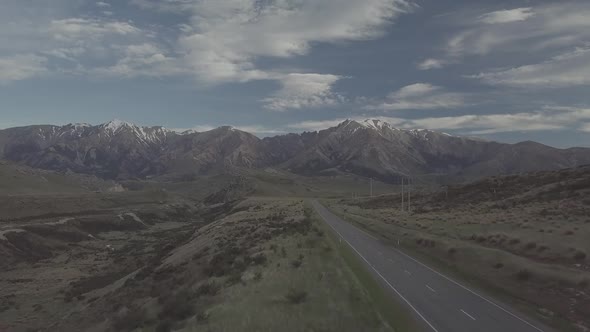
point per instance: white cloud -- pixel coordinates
(229, 36)
(197, 128)
(490, 123)
(253, 129)
(414, 90)
(224, 40)
(552, 26)
(548, 118)
(315, 125)
(177, 6)
(39, 40)
(420, 96)
(77, 28)
(568, 69)
(141, 60)
(431, 64)
(20, 67)
(506, 16)
(221, 42)
(304, 91)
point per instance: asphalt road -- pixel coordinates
(439, 302)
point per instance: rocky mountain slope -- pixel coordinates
(120, 150)
(375, 148)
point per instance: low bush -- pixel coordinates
(129, 320)
(178, 306)
(259, 259)
(514, 241)
(296, 296)
(523, 275)
(164, 326)
(209, 288)
(258, 276)
(580, 255)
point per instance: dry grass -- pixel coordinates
(526, 236)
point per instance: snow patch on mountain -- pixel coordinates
(375, 124)
(380, 126)
(115, 125)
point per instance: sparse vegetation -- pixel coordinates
(527, 236)
(523, 275)
(295, 296)
(296, 263)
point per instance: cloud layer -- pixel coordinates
(420, 96)
(548, 118)
(567, 69)
(301, 91)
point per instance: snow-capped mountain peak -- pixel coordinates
(80, 125)
(115, 125)
(374, 124)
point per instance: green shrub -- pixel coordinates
(524, 275)
(580, 255)
(259, 259)
(129, 320)
(296, 296)
(178, 306)
(257, 276)
(209, 288)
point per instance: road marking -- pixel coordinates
(440, 274)
(430, 289)
(468, 315)
(469, 290)
(380, 275)
(407, 272)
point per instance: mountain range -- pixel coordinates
(121, 150)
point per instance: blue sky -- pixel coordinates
(502, 70)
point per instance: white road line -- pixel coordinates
(407, 272)
(380, 275)
(468, 315)
(472, 292)
(440, 274)
(430, 289)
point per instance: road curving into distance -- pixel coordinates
(439, 302)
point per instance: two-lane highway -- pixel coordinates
(442, 304)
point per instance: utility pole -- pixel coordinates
(409, 195)
(402, 194)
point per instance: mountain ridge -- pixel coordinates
(122, 150)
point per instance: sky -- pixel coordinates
(502, 70)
